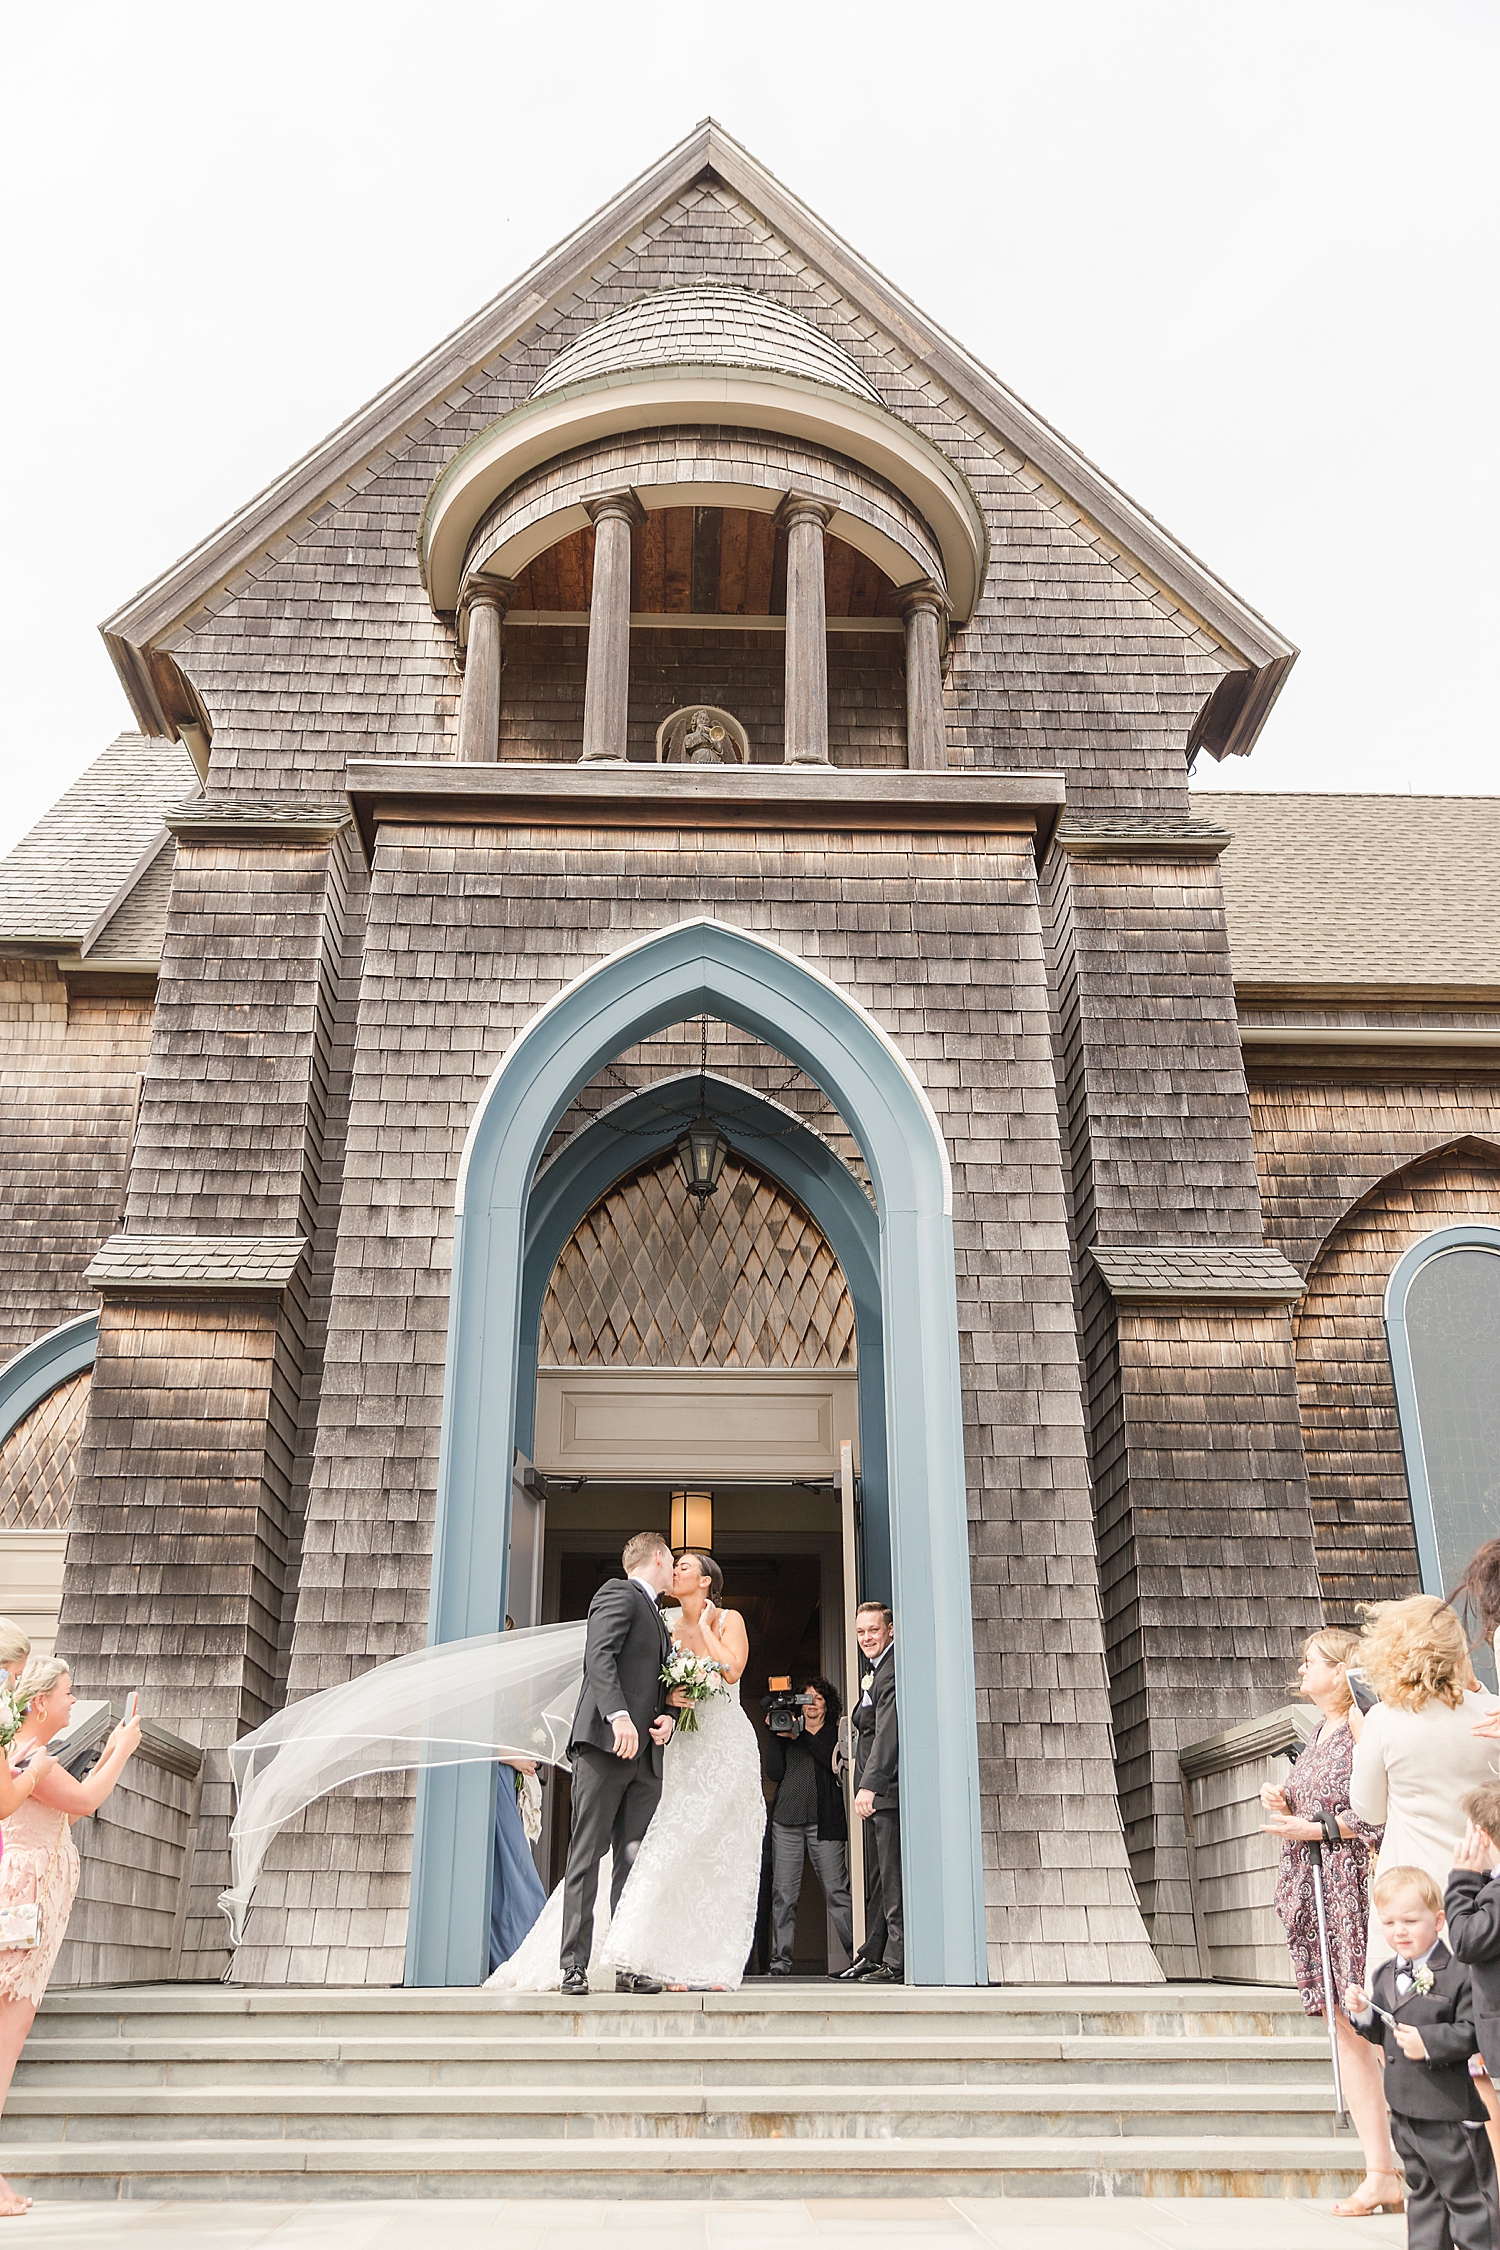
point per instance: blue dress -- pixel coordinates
(517, 1898)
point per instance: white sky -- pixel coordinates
(1243, 255)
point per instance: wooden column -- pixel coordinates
(486, 600)
(606, 694)
(924, 606)
(806, 631)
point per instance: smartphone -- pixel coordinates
(132, 1705)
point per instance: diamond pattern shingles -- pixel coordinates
(648, 1281)
(706, 327)
(71, 868)
(39, 1460)
(1363, 890)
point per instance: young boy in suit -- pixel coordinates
(1472, 1905)
(1421, 2012)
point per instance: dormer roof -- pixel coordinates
(706, 327)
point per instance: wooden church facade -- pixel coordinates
(699, 689)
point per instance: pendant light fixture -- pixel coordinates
(702, 1148)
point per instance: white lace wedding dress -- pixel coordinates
(687, 1912)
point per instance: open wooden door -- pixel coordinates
(528, 1534)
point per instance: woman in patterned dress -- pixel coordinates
(41, 1859)
(1319, 1783)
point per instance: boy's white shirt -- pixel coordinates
(1411, 1967)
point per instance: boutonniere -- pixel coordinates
(1421, 1979)
(866, 1682)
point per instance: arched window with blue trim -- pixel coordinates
(1442, 1320)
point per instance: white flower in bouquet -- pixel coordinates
(698, 1677)
(11, 1715)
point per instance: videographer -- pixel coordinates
(807, 1819)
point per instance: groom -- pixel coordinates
(619, 1731)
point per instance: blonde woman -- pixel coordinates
(41, 1859)
(1418, 1757)
(16, 1789)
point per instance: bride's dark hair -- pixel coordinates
(709, 1568)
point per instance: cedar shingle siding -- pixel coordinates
(1178, 1072)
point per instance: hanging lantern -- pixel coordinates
(700, 1154)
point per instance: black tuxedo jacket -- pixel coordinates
(626, 1646)
(1472, 1905)
(876, 1741)
(1441, 2086)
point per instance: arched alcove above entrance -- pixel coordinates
(790, 410)
(675, 468)
(707, 967)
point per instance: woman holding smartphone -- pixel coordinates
(41, 1858)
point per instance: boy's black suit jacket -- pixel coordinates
(1441, 2086)
(625, 1648)
(1472, 1905)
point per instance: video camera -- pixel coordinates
(783, 1710)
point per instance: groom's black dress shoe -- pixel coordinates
(858, 1970)
(624, 1983)
(575, 1984)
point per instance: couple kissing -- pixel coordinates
(677, 1816)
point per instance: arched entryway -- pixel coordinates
(708, 967)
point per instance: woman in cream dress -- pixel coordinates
(1418, 1754)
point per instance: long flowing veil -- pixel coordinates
(460, 1703)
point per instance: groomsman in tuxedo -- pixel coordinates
(877, 1802)
(620, 1728)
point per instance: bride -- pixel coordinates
(687, 1912)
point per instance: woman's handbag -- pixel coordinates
(21, 1926)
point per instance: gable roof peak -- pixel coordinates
(709, 151)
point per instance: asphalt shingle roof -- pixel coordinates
(1352, 890)
(79, 859)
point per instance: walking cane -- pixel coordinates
(1341, 2115)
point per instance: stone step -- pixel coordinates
(797, 2091)
(238, 2111)
(1282, 2166)
(817, 2009)
(254, 2059)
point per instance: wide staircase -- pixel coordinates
(794, 2090)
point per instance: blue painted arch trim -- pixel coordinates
(697, 967)
(1398, 1288)
(645, 1124)
(38, 1368)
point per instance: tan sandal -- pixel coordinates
(1361, 2207)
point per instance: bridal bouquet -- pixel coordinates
(698, 1678)
(11, 1716)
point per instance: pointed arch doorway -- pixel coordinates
(702, 966)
